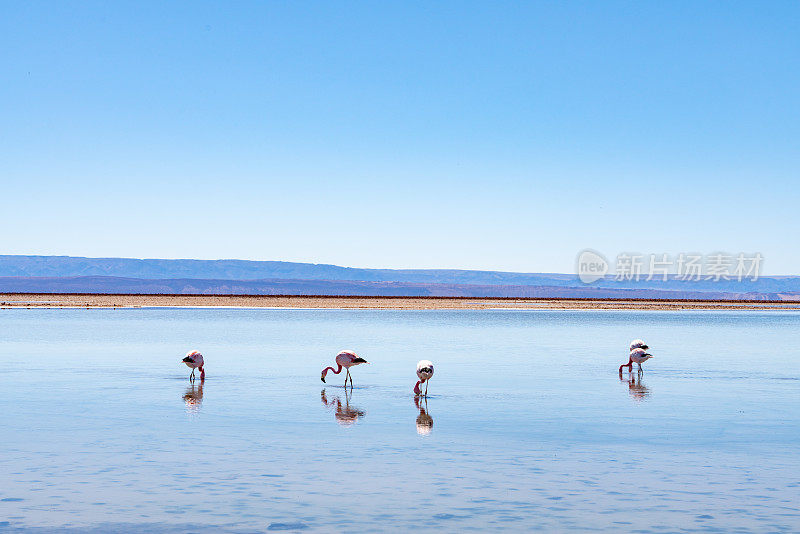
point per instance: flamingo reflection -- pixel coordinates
(424, 420)
(636, 388)
(346, 415)
(193, 398)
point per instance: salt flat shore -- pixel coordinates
(53, 300)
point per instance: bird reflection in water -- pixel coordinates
(424, 420)
(635, 386)
(193, 398)
(345, 414)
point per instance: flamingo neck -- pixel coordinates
(335, 371)
(202, 374)
(416, 387)
(629, 365)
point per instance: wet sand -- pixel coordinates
(50, 300)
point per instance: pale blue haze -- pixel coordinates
(493, 135)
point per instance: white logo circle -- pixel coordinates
(591, 266)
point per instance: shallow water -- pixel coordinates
(527, 424)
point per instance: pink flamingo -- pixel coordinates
(194, 360)
(345, 359)
(638, 356)
(424, 372)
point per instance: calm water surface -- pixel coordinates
(527, 426)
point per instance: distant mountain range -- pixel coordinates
(66, 274)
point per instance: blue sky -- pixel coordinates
(492, 135)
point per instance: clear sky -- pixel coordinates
(491, 135)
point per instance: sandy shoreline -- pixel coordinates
(50, 300)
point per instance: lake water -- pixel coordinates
(527, 425)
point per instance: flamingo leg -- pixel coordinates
(426, 389)
(346, 377)
(640, 367)
(191, 376)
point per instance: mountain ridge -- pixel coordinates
(233, 269)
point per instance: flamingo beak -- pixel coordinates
(323, 379)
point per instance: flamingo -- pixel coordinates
(194, 360)
(424, 372)
(638, 356)
(638, 344)
(345, 359)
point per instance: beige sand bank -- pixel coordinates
(45, 300)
